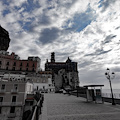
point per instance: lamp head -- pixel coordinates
(106, 73)
(108, 69)
(113, 75)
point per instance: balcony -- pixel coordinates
(2, 91)
(11, 104)
(14, 91)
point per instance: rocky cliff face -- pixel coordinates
(4, 39)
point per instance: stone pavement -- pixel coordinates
(65, 107)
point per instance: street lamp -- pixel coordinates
(109, 77)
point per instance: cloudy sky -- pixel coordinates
(88, 31)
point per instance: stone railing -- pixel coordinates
(37, 109)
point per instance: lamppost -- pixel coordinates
(109, 77)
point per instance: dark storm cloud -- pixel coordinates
(43, 20)
(106, 3)
(48, 35)
(98, 52)
(117, 27)
(85, 64)
(17, 48)
(109, 38)
(67, 4)
(63, 56)
(33, 51)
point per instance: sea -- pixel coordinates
(107, 93)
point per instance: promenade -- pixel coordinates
(65, 107)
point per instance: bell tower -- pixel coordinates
(52, 57)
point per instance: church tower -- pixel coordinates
(52, 57)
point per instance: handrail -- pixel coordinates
(34, 113)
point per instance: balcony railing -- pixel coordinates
(11, 104)
(14, 91)
(2, 90)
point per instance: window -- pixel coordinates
(26, 69)
(21, 64)
(0, 110)
(13, 68)
(33, 65)
(6, 68)
(7, 63)
(0, 62)
(37, 87)
(14, 64)
(15, 86)
(3, 87)
(27, 64)
(1, 99)
(20, 69)
(12, 109)
(13, 98)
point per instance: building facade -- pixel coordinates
(12, 98)
(12, 62)
(56, 66)
(64, 73)
(43, 82)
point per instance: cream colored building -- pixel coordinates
(12, 98)
(43, 82)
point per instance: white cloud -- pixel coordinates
(14, 3)
(95, 47)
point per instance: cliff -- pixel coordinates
(4, 39)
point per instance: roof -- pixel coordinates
(56, 63)
(93, 86)
(68, 60)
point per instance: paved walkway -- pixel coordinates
(65, 107)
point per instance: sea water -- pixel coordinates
(107, 93)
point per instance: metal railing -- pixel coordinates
(14, 90)
(116, 95)
(2, 90)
